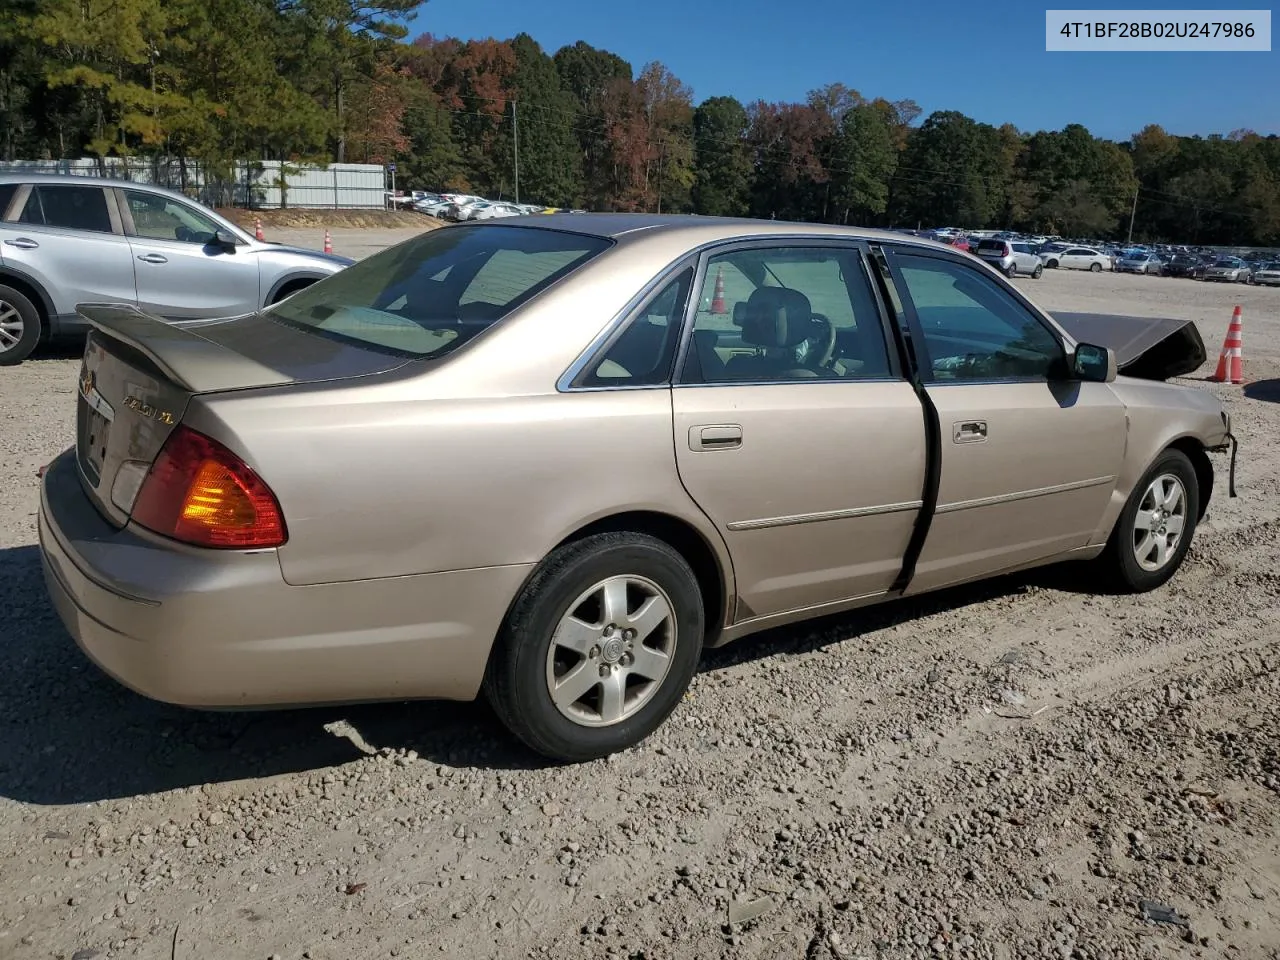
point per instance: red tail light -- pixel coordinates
(201, 493)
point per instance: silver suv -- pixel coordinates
(1011, 257)
(67, 240)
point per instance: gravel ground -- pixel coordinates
(1001, 771)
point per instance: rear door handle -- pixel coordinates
(969, 431)
(715, 436)
(22, 243)
(153, 258)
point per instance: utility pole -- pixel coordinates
(1132, 211)
(662, 154)
(515, 137)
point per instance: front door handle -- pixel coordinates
(969, 431)
(153, 258)
(22, 243)
(715, 436)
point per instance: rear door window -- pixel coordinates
(68, 207)
(7, 191)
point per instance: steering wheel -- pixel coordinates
(826, 339)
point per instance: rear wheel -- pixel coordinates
(1095, 267)
(1155, 528)
(599, 647)
(19, 326)
(1052, 264)
(1011, 271)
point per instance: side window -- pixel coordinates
(72, 208)
(642, 352)
(7, 190)
(786, 313)
(974, 330)
(157, 217)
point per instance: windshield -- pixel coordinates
(1225, 263)
(429, 295)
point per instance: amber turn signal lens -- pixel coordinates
(201, 493)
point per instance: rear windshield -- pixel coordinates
(991, 245)
(429, 295)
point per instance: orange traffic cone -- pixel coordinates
(1231, 360)
(717, 300)
(328, 242)
(257, 228)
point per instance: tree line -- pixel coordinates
(313, 81)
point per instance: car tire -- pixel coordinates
(1095, 267)
(1052, 264)
(1129, 564)
(1012, 271)
(1037, 272)
(559, 629)
(20, 326)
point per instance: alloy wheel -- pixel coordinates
(1158, 525)
(11, 326)
(611, 651)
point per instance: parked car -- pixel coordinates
(1267, 274)
(65, 240)
(484, 383)
(495, 211)
(1229, 270)
(1011, 257)
(1184, 265)
(1077, 258)
(1132, 262)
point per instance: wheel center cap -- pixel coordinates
(612, 650)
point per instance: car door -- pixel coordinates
(1076, 258)
(1029, 458)
(795, 431)
(68, 239)
(181, 273)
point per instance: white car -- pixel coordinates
(494, 211)
(1076, 258)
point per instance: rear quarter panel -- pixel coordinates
(376, 484)
(1159, 414)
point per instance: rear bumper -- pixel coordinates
(209, 628)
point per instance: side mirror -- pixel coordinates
(226, 240)
(1093, 363)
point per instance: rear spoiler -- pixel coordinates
(190, 361)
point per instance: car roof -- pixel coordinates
(621, 226)
(79, 180)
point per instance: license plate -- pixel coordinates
(93, 441)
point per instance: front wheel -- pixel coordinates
(598, 648)
(1153, 534)
(1035, 274)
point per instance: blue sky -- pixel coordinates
(985, 59)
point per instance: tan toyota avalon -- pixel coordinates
(555, 457)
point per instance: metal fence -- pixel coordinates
(262, 185)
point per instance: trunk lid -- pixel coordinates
(139, 374)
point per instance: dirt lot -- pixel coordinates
(995, 772)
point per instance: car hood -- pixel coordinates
(1149, 348)
(308, 254)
